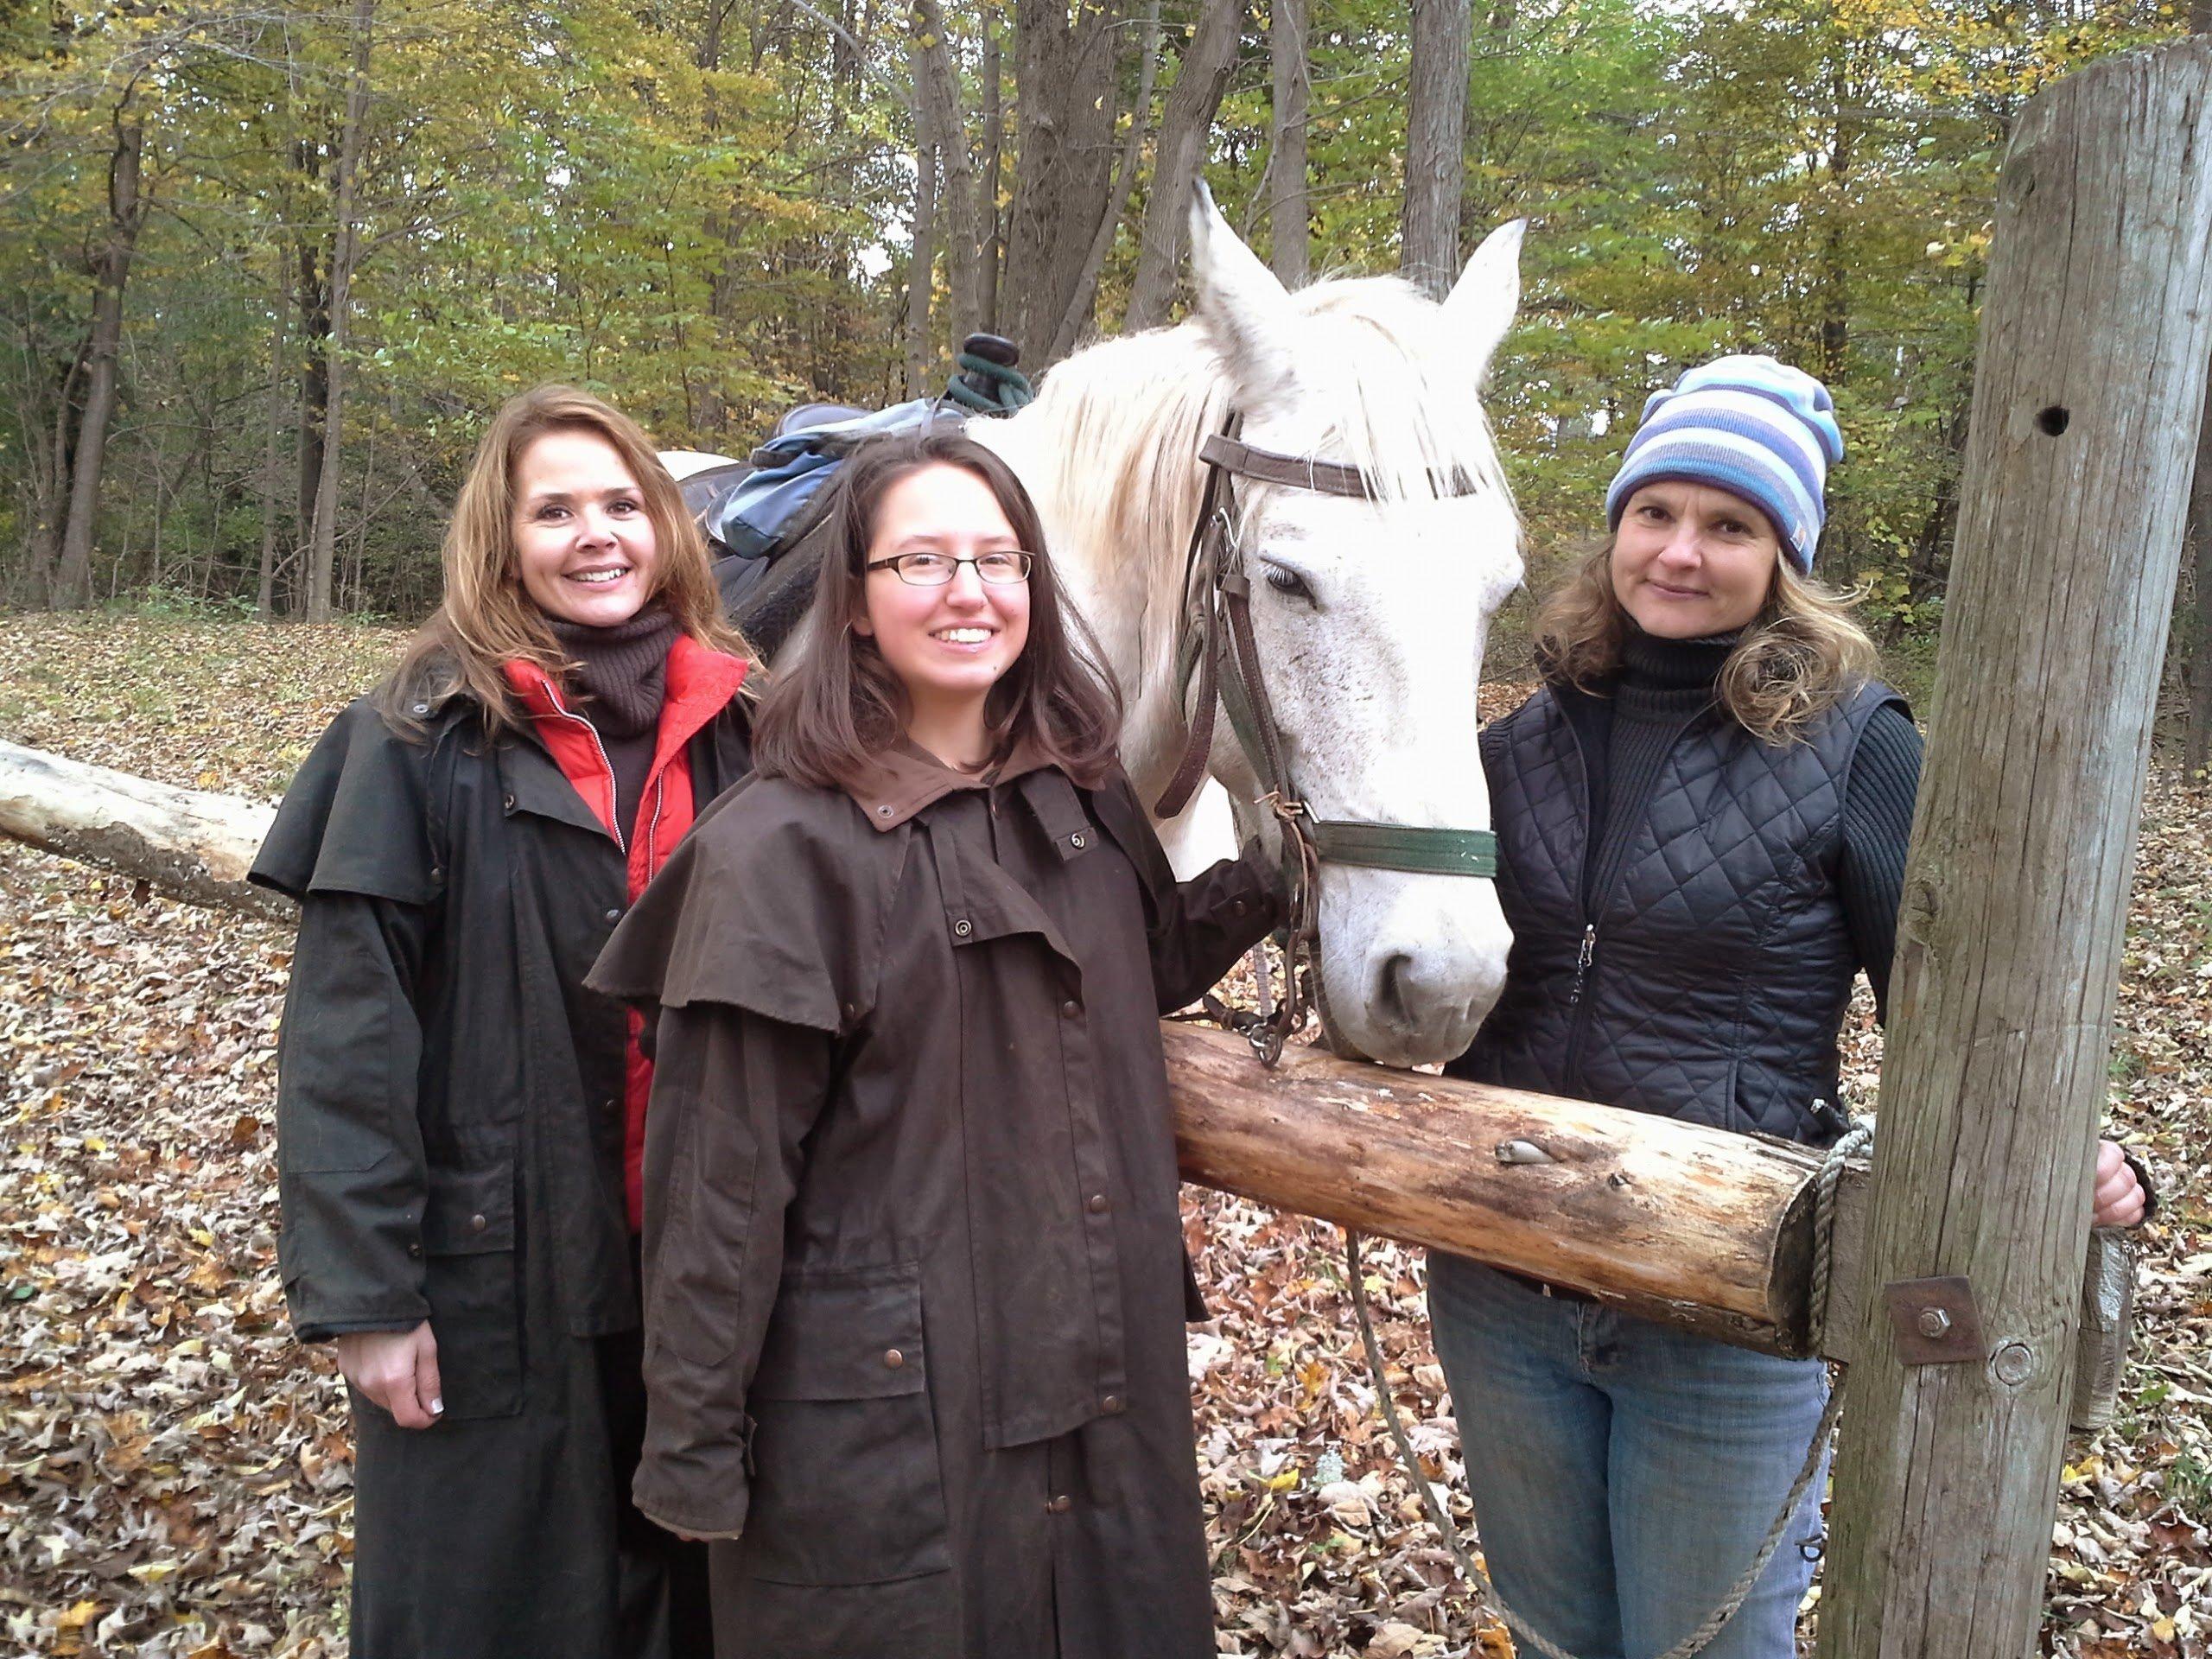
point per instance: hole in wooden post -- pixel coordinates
(2053, 420)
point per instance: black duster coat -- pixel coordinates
(450, 1128)
(915, 1281)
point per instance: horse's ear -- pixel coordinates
(1245, 311)
(1481, 302)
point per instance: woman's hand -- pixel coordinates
(398, 1369)
(2120, 1199)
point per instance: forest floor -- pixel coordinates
(176, 1471)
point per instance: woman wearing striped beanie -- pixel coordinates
(1703, 816)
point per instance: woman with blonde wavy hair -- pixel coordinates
(1703, 816)
(460, 1122)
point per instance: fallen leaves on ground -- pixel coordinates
(176, 1471)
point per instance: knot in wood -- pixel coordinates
(1522, 1152)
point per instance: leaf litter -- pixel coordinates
(176, 1471)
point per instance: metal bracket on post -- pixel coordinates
(1936, 1320)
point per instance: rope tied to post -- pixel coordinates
(1857, 1141)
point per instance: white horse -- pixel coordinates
(1370, 616)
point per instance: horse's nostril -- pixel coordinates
(1390, 988)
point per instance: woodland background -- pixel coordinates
(265, 268)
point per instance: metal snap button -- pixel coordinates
(1113, 1404)
(1076, 842)
(893, 1359)
(614, 915)
(1072, 1010)
(1061, 1504)
(962, 928)
(477, 1223)
(421, 707)
(882, 811)
(1098, 1204)
(507, 801)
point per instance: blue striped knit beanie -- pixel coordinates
(1749, 425)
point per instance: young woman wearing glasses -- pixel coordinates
(915, 1280)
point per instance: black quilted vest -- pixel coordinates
(1708, 980)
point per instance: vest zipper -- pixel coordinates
(1582, 962)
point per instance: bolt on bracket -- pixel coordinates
(1936, 1320)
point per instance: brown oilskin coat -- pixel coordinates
(449, 1146)
(914, 1269)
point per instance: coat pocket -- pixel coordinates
(846, 1485)
(469, 1279)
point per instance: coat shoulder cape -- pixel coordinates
(775, 903)
(356, 817)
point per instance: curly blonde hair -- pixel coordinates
(1799, 657)
(485, 619)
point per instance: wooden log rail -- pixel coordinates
(1703, 1230)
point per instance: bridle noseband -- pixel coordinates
(1217, 650)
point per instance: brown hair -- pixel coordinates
(839, 703)
(485, 619)
(1799, 656)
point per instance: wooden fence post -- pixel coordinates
(2095, 334)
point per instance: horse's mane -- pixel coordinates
(1114, 438)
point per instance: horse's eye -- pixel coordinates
(1288, 581)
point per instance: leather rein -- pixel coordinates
(1218, 652)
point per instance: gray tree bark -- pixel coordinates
(323, 537)
(992, 220)
(2091, 372)
(111, 271)
(1067, 105)
(1436, 139)
(921, 262)
(2197, 731)
(1184, 125)
(940, 85)
(1289, 204)
(1066, 336)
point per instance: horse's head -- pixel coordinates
(1370, 616)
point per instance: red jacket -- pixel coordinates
(701, 685)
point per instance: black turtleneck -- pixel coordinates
(618, 682)
(1663, 685)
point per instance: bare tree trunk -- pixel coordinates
(1835, 265)
(264, 602)
(1289, 205)
(1184, 125)
(921, 265)
(993, 223)
(1436, 137)
(1067, 105)
(111, 269)
(940, 83)
(322, 550)
(2196, 738)
(1102, 241)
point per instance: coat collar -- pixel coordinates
(905, 778)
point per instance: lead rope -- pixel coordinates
(1858, 1141)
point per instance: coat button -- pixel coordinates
(415, 1247)
(1061, 1504)
(893, 1359)
(962, 928)
(1236, 907)
(1076, 842)
(882, 811)
(507, 801)
(1072, 1010)
(614, 916)
(421, 707)
(1099, 1205)
(1113, 1405)
(477, 1223)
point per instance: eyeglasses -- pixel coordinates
(935, 570)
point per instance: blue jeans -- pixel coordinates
(1623, 1473)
